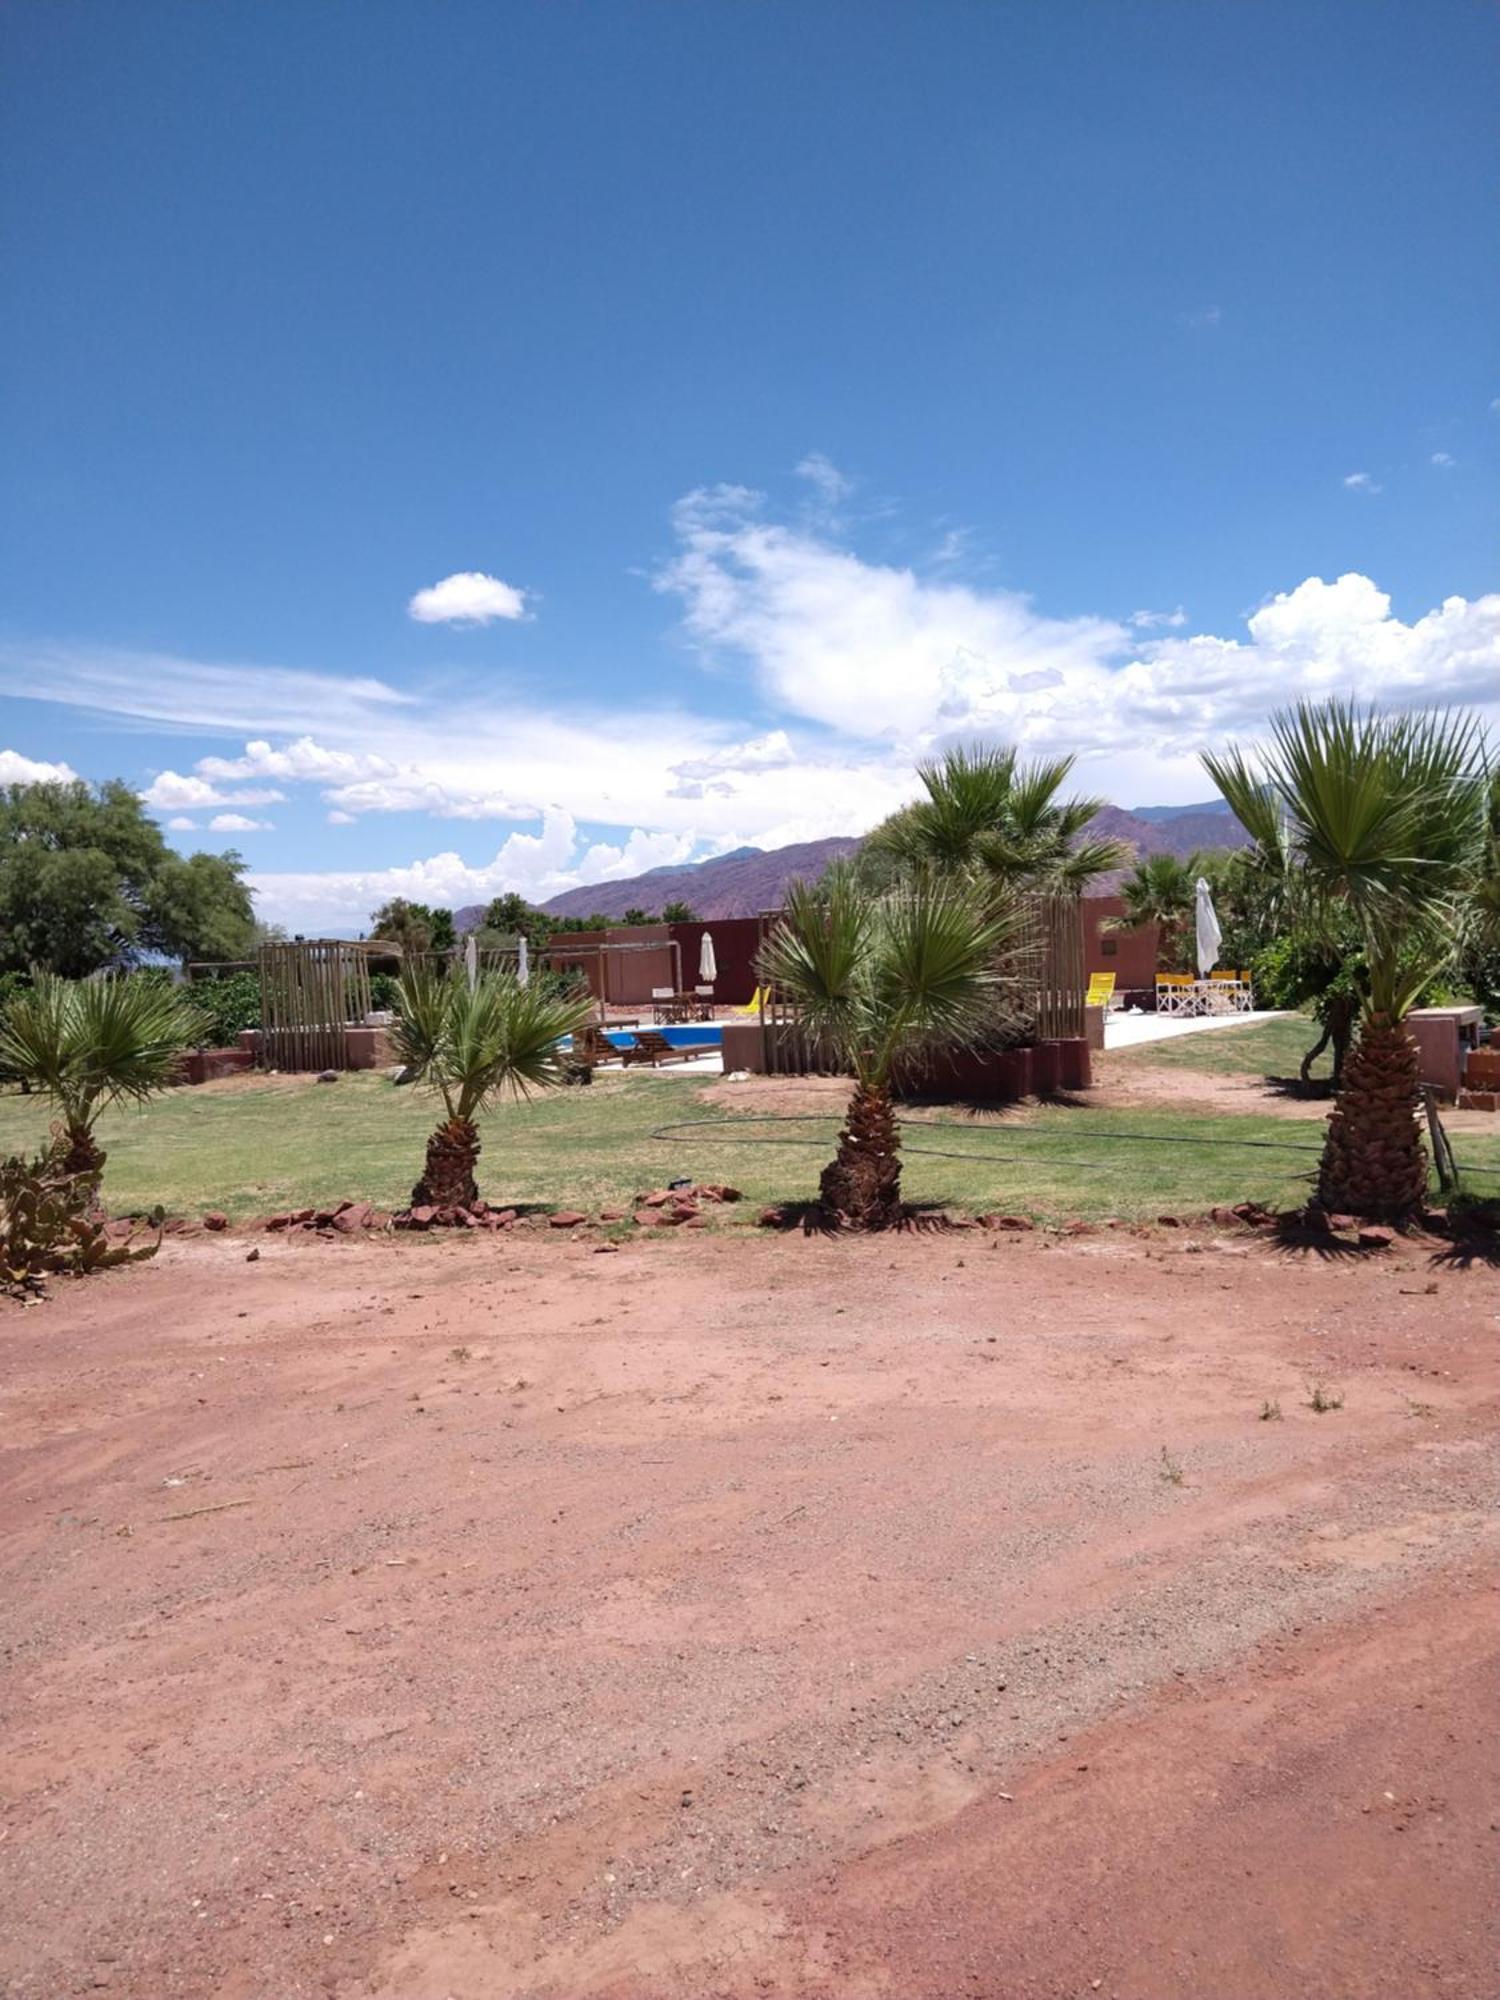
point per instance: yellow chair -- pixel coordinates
(1101, 991)
(753, 1006)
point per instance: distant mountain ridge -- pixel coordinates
(741, 884)
(752, 879)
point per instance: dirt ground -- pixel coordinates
(897, 1620)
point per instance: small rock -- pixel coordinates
(328, 1076)
(215, 1219)
(566, 1218)
(1006, 1222)
(605, 1249)
(252, 1256)
(611, 1215)
(770, 1218)
(1375, 1236)
(1169, 1221)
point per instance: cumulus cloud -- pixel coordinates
(533, 863)
(182, 825)
(171, 790)
(468, 597)
(1154, 621)
(1362, 482)
(18, 770)
(337, 818)
(1443, 458)
(237, 823)
(883, 654)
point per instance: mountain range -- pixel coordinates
(752, 879)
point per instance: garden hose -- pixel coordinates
(727, 1126)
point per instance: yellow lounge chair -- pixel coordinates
(1101, 991)
(753, 1005)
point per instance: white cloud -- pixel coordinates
(533, 863)
(175, 789)
(912, 662)
(1205, 316)
(821, 472)
(182, 825)
(469, 597)
(337, 818)
(865, 648)
(1362, 482)
(237, 823)
(1444, 458)
(18, 770)
(1153, 621)
(191, 696)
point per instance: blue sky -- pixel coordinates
(798, 387)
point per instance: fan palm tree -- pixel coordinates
(1161, 890)
(876, 979)
(991, 817)
(471, 1045)
(1380, 818)
(89, 1043)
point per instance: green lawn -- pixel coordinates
(286, 1144)
(1266, 1048)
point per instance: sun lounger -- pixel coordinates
(591, 1045)
(655, 1049)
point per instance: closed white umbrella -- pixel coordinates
(1209, 934)
(708, 965)
(471, 960)
(523, 961)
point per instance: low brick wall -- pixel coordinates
(206, 1065)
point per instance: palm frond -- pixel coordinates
(472, 1044)
(88, 1043)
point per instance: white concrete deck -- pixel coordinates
(1128, 1031)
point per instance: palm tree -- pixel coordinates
(470, 1045)
(991, 817)
(89, 1043)
(876, 979)
(1161, 890)
(1378, 818)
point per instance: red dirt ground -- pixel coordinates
(898, 1620)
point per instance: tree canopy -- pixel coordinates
(87, 880)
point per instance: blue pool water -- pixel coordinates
(703, 1035)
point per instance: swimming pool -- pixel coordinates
(705, 1035)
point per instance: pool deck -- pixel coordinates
(1129, 1031)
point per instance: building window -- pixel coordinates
(1109, 947)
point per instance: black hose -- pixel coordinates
(725, 1125)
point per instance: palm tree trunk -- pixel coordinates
(448, 1178)
(84, 1154)
(861, 1185)
(1374, 1162)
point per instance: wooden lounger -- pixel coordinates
(655, 1049)
(593, 1046)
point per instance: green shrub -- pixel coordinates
(228, 1006)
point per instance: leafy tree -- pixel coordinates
(989, 817)
(1377, 819)
(471, 1045)
(678, 913)
(511, 915)
(87, 880)
(1162, 890)
(417, 928)
(634, 916)
(88, 1043)
(875, 978)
